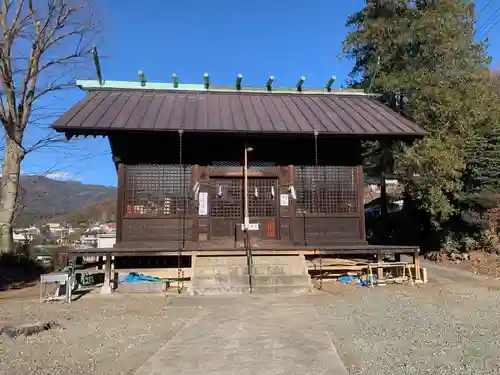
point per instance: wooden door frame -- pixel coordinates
(211, 174)
(276, 217)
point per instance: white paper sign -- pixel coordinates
(284, 199)
(251, 226)
(203, 204)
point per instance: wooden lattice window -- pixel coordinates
(326, 190)
(157, 190)
(253, 165)
(262, 201)
(226, 166)
(226, 198)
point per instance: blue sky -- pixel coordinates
(256, 38)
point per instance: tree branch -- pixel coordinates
(60, 61)
(44, 142)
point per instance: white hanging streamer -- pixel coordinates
(196, 190)
(272, 192)
(291, 191)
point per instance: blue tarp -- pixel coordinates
(134, 277)
(356, 280)
(346, 279)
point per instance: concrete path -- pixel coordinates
(440, 273)
(269, 335)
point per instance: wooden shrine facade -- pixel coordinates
(291, 201)
(180, 161)
(326, 211)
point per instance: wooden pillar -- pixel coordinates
(380, 270)
(204, 220)
(283, 212)
(193, 210)
(416, 262)
(120, 201)
(107, 287)
(292, 202)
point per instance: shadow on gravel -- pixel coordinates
(18, 272)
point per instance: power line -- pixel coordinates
(488, 26)
(486, 6)
(491, 28)
(491, 19)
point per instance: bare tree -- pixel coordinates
(40, 40)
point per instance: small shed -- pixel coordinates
(181, 152)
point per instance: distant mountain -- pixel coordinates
(43, 199)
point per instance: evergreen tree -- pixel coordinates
(425, 51)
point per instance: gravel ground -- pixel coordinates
(440, 328)
(437, 328)
(102, 335)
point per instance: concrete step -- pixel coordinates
(257, 289)
(241, 260)
(270, 274)
(257, 269)
(238, 270)
(256, 280)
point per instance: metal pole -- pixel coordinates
(246, 219)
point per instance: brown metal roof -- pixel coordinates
(144, 110)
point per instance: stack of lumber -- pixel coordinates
(337, 264)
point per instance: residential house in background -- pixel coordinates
(25, 234)
(100, 236)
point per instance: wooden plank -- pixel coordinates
(416, 261)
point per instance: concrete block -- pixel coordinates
(217, 290)
(300, 280)
(142, 287)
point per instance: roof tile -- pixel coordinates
(113, 110)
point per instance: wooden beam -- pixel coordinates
(120, 201)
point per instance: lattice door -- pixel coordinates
(226, 206)
(328, 208)
(263, 194)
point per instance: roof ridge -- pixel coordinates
(93, 85)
